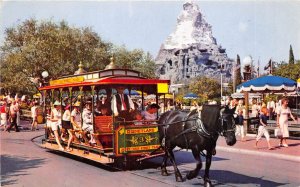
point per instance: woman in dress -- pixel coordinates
(283, 114)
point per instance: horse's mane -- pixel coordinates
(192, 113)
(210, 115)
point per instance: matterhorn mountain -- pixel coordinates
(191, 50)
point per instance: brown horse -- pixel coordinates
(197, 132)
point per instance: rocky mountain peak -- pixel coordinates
(191, 50)
(191, 28)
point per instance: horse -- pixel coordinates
(195, 131)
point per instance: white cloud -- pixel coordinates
(243, 26)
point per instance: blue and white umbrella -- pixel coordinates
(132, 92)
(190, 96)
(268, 83)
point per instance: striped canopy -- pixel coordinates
(268, 83)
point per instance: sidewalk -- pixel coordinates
(291, 153)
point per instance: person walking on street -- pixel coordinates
(283, 114)
(4, 112)
(240, 115)
(34, 116)
(13, 109)
(262, 128)
(18, 106)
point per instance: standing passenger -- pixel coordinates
(122, 104)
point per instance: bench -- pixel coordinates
(103, 131)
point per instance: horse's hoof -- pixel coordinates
(207, 183)
(179, 179)
(190, 175)
(164, 171)
(214, 152)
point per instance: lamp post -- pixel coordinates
(221, 81)
(173, 92)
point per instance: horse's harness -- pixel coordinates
(199, 128)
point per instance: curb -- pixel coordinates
(264, 154)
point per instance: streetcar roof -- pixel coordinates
(105, 77)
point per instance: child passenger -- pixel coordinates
(138, 118)
(262, 128)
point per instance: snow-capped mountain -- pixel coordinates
(191, 29)
(191, 50)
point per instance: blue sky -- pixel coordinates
(262, 29)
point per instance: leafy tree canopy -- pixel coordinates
(206, 88)
(33, 47)
(288, 70)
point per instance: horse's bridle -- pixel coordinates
(223, 118)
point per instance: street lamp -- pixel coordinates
(221, 80)
(173, 92)
(45, 74)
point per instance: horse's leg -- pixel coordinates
(164, 171)
(177, 172)
(207, 181)
(192, 174)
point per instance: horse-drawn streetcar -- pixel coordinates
(111, 136)
(105, 125)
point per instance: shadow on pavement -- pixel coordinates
(13, 166)
(222, 177)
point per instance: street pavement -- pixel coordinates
(25, 164)
(291, 153)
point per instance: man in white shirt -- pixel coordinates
(122, 105)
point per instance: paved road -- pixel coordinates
(25, 164)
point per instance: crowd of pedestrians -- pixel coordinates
(270, 111)
(10, 109)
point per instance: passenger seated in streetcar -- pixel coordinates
(56, 122)
(103, 110)
(75, 123)
(150, 114)
(66, 122)
(138, 118)
(87, 119)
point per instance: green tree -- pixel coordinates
(206, 88)
(291, 56)
(237, 72)
(136, 59)
(33, 47)
(288, 70)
